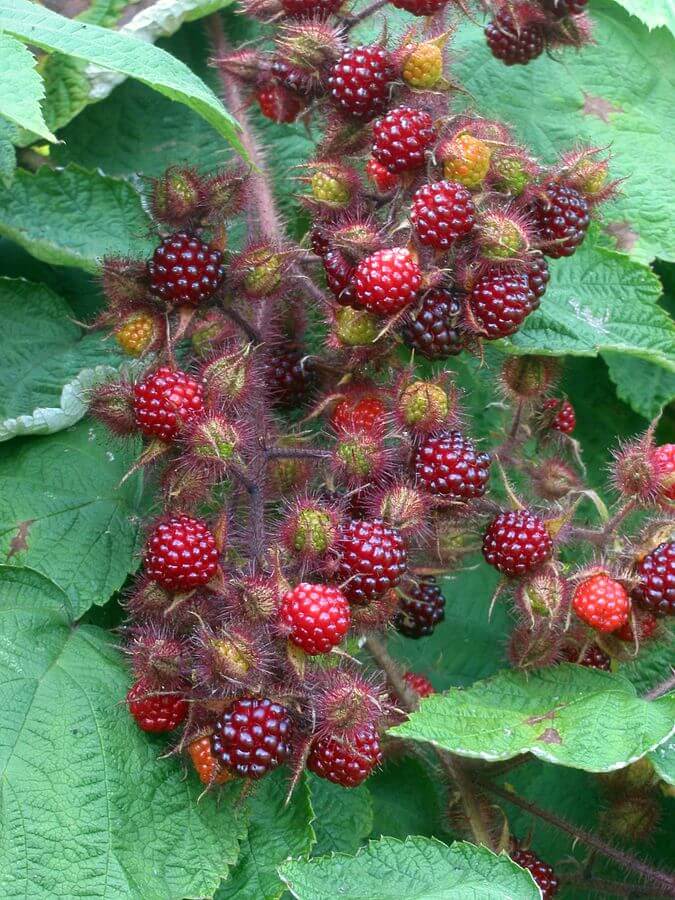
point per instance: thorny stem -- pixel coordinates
(256, 513)
(297, 453)
(249, 330)
(606, 888)
(661, 689)
(365, 13)
(663, 880)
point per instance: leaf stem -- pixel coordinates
(661, 689)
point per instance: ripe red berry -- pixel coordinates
(165, 401)
(538, 275)
(365, 414)
(516, 541)
(543, 875)
(181, 554)
(359, 82)
(289, 376)
(602, 603)
(185, 270)
(318, 238)
(500, 303)
(512, 43)
(278, 103)
(420, 7)
(346, 761)
(373, 559)
(564, 419)
(656, 586)
(382, 178)
(593, 658)
(402, 139)
(434, 329)
(301, 9)
(421, 609)
(646, 626)
(155, 711)
(252, 737)
(448, 465)
(205, 763)
(441, 213)
(419, 684)
(663, 461)
(562, 217)
(317, 615)
(340, 274)
(387, 281)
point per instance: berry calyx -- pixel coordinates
(205, 763)
(359, 82)
(373, 559)
(562, 216)
(655, 589)
(387, 281)
(564, 419)
(602, 603)
(663, 463)
(500, 303)
(543, 875)
(418, 683)
(346, 761)
(165, 402)
(466, 159)
(184, 270)
(514, 44)
(448, 466)
(402, 139)
(365, 414)
(421, 609)
(252, 737)
(317, 616)
(434, 328)
(441, 213)
(420, 7)
(155, 712)
(516, 542)
(181, 554)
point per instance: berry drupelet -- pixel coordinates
(155, 712)
(516, 542)
(655, 589)
(252, 737)
(165, 401)
(500, 303)
(449, 466)
(434, 328)
(373, 559)
(543, 875)
(402, 139)
(514, 44)
(317, 617)
(181, 554)
(387, 281)
(441, 213)
(358, 85)
(421, 609)
(347, 761)
(602, 603)
(184, 270)
(562, 217)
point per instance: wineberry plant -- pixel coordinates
(338, 485)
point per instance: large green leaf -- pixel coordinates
(73, 217)
(8, 136)
(119, 52)
(64, 513)
(87, 808)
(342, 818)
(646, 387)
(569, 715)
(21, 88)
(48, 363)
(653, 13)
(407, 799)
(418, 869)
(276, 831)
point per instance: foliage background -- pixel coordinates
(86, 804)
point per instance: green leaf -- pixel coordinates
(8, 137)
(21, 88)
(64, 513)
(122, 53)
(418, 869)
(406, 799)
(663, 760)
(73, 217)
(342, 818)
(653, 14)
(645, 387)
(275, 832)
(48, 363)
(87, 802)
(566, 714)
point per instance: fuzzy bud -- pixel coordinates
(511, 173)
(124, 282)
(287, 474)
(260, 269)
(503, 237)
(554, 479)
(526, 377)
(402, 506)
(260, 596)
(541, 597)
(633, 817)
(333, 185)
(310, 48)
(465, 159)
(227, 659)
(634, 473)
(176, 196)
(148, 600)
(634, 779)
(214, 440)
(156, 656)
(533, 647)
(224, 194)
(452, 541)
(423, 406)
(263, 10)
(357, 457)
(355, 327)
(227, 378)
(113, 404)
(344, 701)
(209, 332)
(185, 487)
(310, 531)
(139, 332)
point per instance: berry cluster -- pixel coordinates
(520, 31)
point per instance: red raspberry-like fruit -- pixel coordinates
(565, 419)
(593, 658)
(562, 217)
(317, 615)
(514, 45)
(656, 586)
(252, 737)
(387, 281)
(420, 610)
(543, 875)
(500, 303)
(441, 213)
(278, 103)
(181, 554)
(155, 712)
(318, 238)
(646, 626)
(340, 273)
(602, 603)
(420, 7)
(402, 139)
(663, 461)
(347, 761)
(165, 401)
(205, 763)
(364, 414)
(289, 376)
(373, 559)
(433, 330)
(185, 270)
(382, 178)
(359, 82)
(419, 684)
(516, 541)
(448, 465)
(302, 9)
(538, 275)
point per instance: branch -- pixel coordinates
(661, 689)
(365, 13)
(297, 453)
(606, 888)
